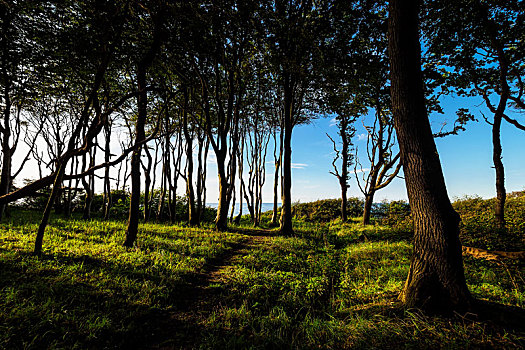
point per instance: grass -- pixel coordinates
(89, 291)
(331, 286)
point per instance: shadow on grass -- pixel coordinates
(254, 231)
(44, 307)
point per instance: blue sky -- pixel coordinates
(466, 158)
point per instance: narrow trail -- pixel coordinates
(183, 328)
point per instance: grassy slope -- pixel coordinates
(324, 288)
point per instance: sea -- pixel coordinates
(245, 211)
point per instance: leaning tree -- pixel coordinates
(436, 280)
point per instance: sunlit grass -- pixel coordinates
(333, 285)
(87, 288)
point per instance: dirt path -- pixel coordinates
(183, 328)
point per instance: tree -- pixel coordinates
(436, 280)
(346, 132)
(383, 160)
(19, 55)
(144, 62)
(478, 46)
(294, 33)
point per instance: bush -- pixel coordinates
(327, 209)
(398, 215)
(478, 227)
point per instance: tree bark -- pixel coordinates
(369, 195)
(501, 195)
(221, 221)
(5, 176)
(343, 180)
(140, 135)
(436, 281)
(276, 176)
(286, 210)
(47, 211)
(86, 213)
(148, 193)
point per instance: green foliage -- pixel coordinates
(397, 215)
(326, 209)
(478, 226)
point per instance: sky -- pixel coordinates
(466, 159)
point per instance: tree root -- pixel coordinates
(494, 255)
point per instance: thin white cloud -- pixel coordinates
(362, 137)
(299, 165)
(333, 122)
(364, 170)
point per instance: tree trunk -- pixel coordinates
(500, 173)
(286, 210)
(221, 221)
(276, 176)
(436, 280)
(369, 195)
(88, 199)
(343, 181)
(140, 135)
(5, 176)
(369, 200)
(193, 218)
(107, 182)
(148, 191)
(47, 211)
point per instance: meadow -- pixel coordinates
(333, 285)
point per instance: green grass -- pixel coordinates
(327, 289)
(87, 290)
(332, 286)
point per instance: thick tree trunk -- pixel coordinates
(193, 217)
(237, 219)
(5, 176)
(286, 210)
(436, 280)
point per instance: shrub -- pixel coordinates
(397, 214)
(478, 227)
(327, 209)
